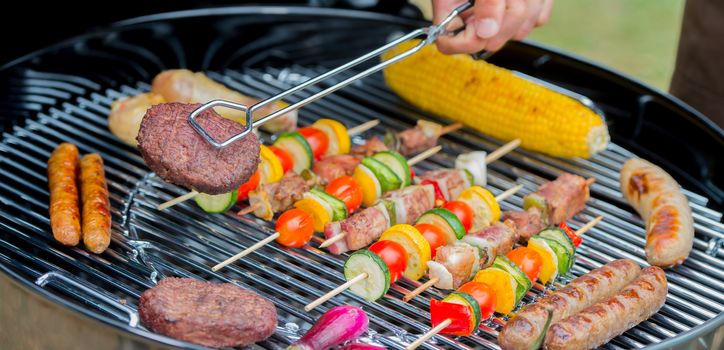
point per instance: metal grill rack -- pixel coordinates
(184, 241)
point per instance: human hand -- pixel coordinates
(490, 23)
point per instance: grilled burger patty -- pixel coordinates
(178, 154)
(208, 314)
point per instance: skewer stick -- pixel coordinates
(332, 240)
(356, 130)
(423, 287)
(503, 150)
(509, 192)
(589, 225)
(431, 333)
(450, 128)
(590, 181)
(248, 209)
(177, 200)
(332, 293)
(245, 252)
(424, 155)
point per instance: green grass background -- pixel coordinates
(637, 37)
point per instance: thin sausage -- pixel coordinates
(605, 320)
(96, 206)
(524, 329)
(657, 197)
(64, 211)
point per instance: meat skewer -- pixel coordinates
(450, 260)
(403, 240)
(279, 234)
(453, 184)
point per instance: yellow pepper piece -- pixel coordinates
(504, 286)
(270, 167)
(318, 212)
(484, 205)
(549, 270)
(337, 134)
(417, 247)
(371, 189)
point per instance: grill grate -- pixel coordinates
(184, 241)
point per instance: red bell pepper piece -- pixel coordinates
(572, 234)
(460, 316)
(439, 197)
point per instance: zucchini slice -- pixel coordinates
(339, 209)
(298, 147)
(397, 163)
(388, 179)
(447, 221)
(378, 275)
(216, 203)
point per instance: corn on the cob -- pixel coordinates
(496, 102)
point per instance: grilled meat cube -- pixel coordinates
(527, 222)
(370, 147)
(420, 138)
(365, 226)
(286, 191)
(332, 167)
(452, 182)
(178, 154)
(208, 314)
(564, 197)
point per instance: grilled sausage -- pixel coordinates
(658, 199)
(96, 207)
(607, 319)
(64, 212)
(524, 329)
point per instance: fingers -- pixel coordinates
(466, 41)
(513, 18)
(533, 13)
(545, 13)
(488, 16)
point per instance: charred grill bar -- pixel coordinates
(48, 102)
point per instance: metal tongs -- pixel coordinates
(431, 34)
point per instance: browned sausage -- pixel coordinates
(659, 200)
(96, 207)
(64, 212)
(607, 319)
(524, 329)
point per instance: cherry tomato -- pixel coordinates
(439, 196)
(434, 235)
(346, 189)
(577, 240)
(317, 139)
(295, 228)
(284, 158)
(483, 294)
(245, 188)
(394, 255)
(462, 211)
(528, 260)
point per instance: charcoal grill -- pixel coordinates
(59, 297)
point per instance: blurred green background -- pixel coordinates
(637, 37)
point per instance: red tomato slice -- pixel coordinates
(245, 188)
(284, 158)
(317, 139)
(394, 255)
(434, 235)
(528, 260)
(483, 294)
(462, 211)
(346, 189)
(295, 228)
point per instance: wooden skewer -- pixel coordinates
(424, 155)
(177, 200)
(245, 252)
(356, 130)
(332, 240)
(431, 333)
(507, 193)
(450, 128)
(248, 209)
(589, 225)
(423, 287)
(503, 150)
(332, 293)
(590, 181)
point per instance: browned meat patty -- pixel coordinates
(208, 314)
(178, 154)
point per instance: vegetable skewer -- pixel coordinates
(376, 265)
(471, 309)
(356, 130)
(500, 152)
(310, 205)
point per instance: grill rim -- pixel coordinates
(689, 335)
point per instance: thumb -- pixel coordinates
(488, 16)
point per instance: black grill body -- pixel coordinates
(63, 93)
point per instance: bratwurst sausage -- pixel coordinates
(96, 206)
(525, 328)
(64, 211)
(658, 199)
(605, 320)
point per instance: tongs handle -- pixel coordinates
(432, 33)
